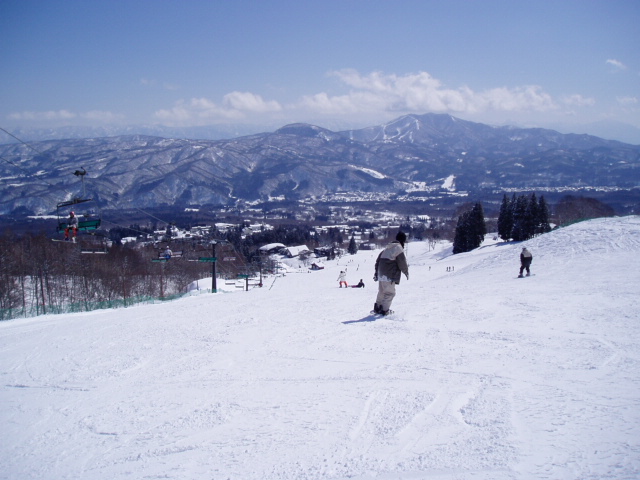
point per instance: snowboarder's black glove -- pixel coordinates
(375, 277)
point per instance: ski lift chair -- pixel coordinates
(86, 222)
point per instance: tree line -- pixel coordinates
(520, 218)
(523, 217)
(39, 276)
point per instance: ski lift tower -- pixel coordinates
(214, 260)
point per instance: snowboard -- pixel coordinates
(525, 276)
(380, 314)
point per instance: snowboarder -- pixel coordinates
(525, 261)
(390, 264)
(72, 225)
(167, 253)
(359, 285)
(342, 278)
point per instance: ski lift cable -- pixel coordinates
(122, 226)
(26, 172)
(156, 218)
(21, 141)
(76, 173)
(183, 178)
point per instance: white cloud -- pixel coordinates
(322, 103)
(199, 111)
(617, 64)
(627, 101)
(527, 98)
(373, 95)
(249, 102)
(66, 116)
(43, 116)
(102, 116)
(578, 100)
(418, 93)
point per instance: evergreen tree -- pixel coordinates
(470, 230)
(519, 230)
(505, 219)
(478, 225)
(527, 217)
(460, 239)
(353, 248)
(542, 222)
(531, 217)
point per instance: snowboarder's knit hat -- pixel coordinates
(401, 237)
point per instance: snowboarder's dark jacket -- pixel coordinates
(391, 263)
(525, 257)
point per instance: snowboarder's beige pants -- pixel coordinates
(386, 292)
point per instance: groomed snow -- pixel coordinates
(478, 375)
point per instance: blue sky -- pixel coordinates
(336, 64)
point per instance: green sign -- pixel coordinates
(208, 259)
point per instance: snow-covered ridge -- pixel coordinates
(369, 171)
(151, 171)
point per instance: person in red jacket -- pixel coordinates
(390, 264)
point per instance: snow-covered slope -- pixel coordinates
(478, 375)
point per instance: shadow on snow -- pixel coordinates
(368, 318)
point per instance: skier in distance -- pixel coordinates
(525, 261)
(342, 278)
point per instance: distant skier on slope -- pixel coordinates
(390, 264)
(525, 261)
(342, 278)
(359, 285)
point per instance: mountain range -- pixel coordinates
(412, 157)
